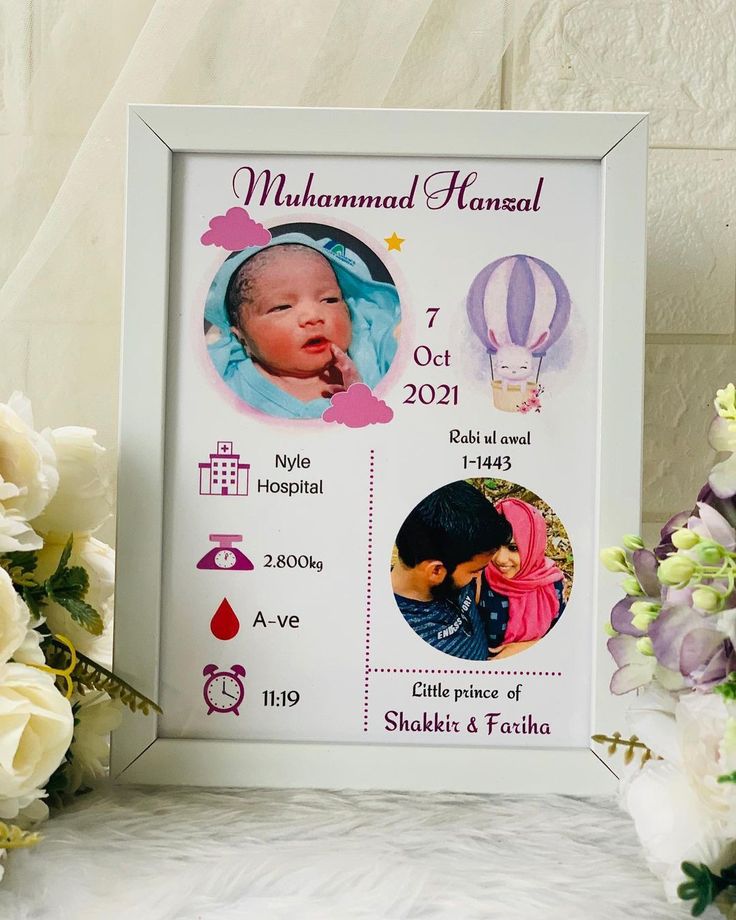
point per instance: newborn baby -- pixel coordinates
(293, 322)
(286, 307)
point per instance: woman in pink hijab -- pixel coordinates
(521, 594)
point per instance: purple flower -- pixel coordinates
(726, 507)
(621, 617)
(686, 641)
(665, 545)
(645, 569)
(634, 669)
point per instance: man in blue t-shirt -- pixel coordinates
(443, 545)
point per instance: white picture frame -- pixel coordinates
(617, 142)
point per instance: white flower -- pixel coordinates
(722, 434)
(722, 437)
(99, 561)
(34, 813)
(28, 474)
(83, 500)
(681, 811)
(97, 715)
(672, 825)
(25, 811)
(722, 478)
(14, 618)
(16, 534)
(726, 623)
(36, 726)
(29, 651)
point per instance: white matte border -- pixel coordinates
(619, 142)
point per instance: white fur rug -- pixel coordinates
(166, 854)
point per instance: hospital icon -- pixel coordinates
(223, 473)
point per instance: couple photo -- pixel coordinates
(482, 569)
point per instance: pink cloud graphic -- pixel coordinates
(235, 230)
(357, 407)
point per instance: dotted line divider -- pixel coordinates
(369, 590)
(466, 671)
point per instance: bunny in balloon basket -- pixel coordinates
(518, 306)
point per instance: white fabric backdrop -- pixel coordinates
(71, 66)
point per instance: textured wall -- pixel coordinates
(675, 60)
(69, 66)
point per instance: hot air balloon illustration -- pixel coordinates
(518, 306)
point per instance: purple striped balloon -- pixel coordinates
(534, 296)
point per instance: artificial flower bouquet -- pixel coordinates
(58, 697)
(673, 639)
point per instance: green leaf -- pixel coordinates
(72, 582)
(65, 554)
(35, 596)
(727, 777)
(93, 676)
(23, 562)
(728, 688)
(83, 613)
(703, 888)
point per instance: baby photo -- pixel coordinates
(291, 323)
(482, 569)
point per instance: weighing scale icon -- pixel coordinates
(225, 556)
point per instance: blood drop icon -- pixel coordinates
(224, 624)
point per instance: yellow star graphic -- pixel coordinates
(394, 242)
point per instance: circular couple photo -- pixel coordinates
(482, 569)
(300, 317)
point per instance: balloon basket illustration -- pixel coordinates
(510, 398)
(518, 307)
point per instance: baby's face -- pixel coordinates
(295, 312)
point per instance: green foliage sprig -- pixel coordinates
(88, 675)
(13, 838)
(615, 742)
(704, 886)
(67, 586)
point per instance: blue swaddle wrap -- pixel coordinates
(375, 312)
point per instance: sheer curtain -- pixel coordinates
(70, 67)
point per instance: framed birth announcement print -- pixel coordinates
(381, 408)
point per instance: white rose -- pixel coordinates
(99, 561)
(83, 500)
(36, 726)
(28, 474)
(26, 812)
(29, 651)
(14, 618)
(681, 811)
(97, 715)
(672, 824)
(16, 534)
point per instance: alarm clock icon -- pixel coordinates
(225, 555)
(223, 691)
